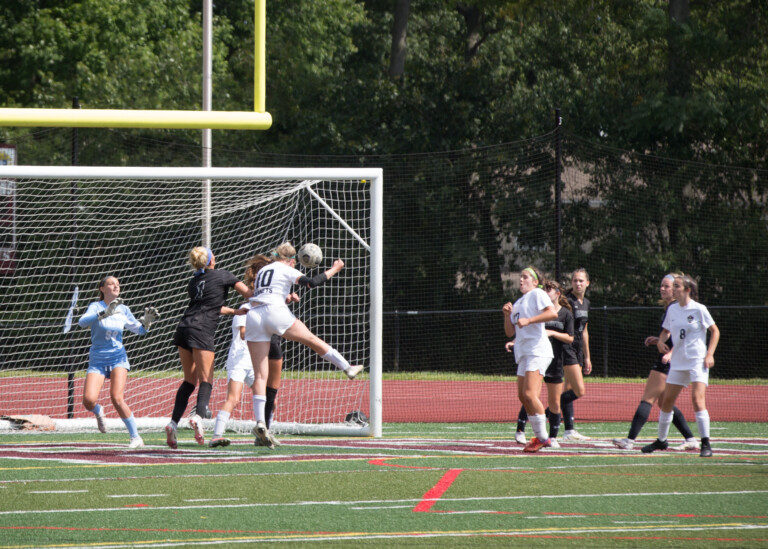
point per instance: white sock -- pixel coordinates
(259, 402)
(665, 420)
(221, 423)
(96, 410)
(539, 425)
(336, 359)
(702, 422)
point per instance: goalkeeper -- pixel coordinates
(107, 358)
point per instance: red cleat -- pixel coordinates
(535, 445)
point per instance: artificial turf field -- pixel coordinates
(421, 485)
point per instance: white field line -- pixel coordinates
(295, 539)
(380, 502)
(58, 492)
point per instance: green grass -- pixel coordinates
(317, 492)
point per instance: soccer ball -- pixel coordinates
(310, 255)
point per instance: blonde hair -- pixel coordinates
(673, 275)
(200, 257)
(284, 251)
(253, 266)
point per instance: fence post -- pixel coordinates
(397, 342)
(605, 341)
(558, 193)
(73, 262)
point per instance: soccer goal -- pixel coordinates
(71, 226)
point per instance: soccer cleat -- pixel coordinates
(196, 422)
(352, 371)
(170, 436)
(262, 434)
(706, 451)
(272, 439)
(535, 445)
(688, 445)
(574, 436)
(101, 421)
(655, 445)
(520, 437)
(624, 443)
(218, 441)
(553, 443)
(136, 442)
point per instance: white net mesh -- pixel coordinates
(70, 233)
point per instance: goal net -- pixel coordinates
(72, 226)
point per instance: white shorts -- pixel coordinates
(241, 373)
(264, 321)
(684, 377)
(533, 364)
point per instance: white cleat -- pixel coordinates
(136, 442)
(101, 421)
(262, 435)
(352, 371)
(520, 437)
(689, 444)
(624, 443)
(574, 436)
(170, 436)
(197, 424)
(553, 443)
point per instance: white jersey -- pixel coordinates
(273, 284)
(531, 340)
(688, 328)
(238, 356)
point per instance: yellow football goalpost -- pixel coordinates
(259, 119)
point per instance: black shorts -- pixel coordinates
(192, 338)
(554, 373)
(658, 366)
(571, 356)
(275, 350)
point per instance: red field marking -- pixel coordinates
(432, 496)
(403, 401)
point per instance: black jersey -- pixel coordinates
(580, 319)
(659, 366)
(207, 294)
(564, 325)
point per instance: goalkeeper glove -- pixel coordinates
(150, 315)
(111, 308)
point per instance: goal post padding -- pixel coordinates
(74, 225)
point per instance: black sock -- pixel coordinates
(678, 420)
(566, 405)
(269, 407)
(203, 397)
(554, 423)
(182, 399)
(705, 441)
(640, 419)
(522, 419)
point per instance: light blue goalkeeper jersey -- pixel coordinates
(107, 334)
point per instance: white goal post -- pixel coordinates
(71, 226)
